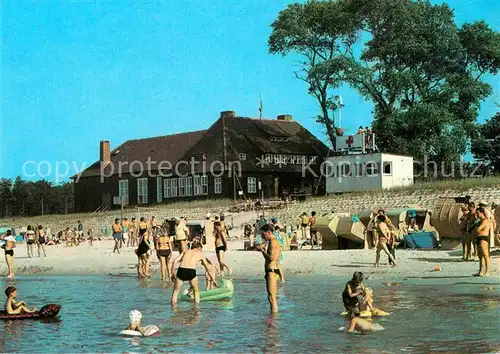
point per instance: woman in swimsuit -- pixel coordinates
(9, 252)
(164, 247)
(220, 246)
(482, 232)
(41, 241)
(383, 237)
(30, 240)
(143, 248)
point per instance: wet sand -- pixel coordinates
(99, 259)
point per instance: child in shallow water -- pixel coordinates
(135, 322)
(12, 307)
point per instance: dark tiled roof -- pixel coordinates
(253, 137)
(162, 148)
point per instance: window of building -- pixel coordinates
(204, 185)
(159, 189)
(189, 186)
(388, 168)
(123, 190)
(173, 187)
(242, 157)
(371, 169)
(252, 185)
(217, 185)
(197, 185)
(182, 187)
(142, 191)
(166, 188)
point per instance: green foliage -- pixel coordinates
(486, 144)
(24, 198)
(421, 71)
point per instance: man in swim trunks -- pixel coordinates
(187, 271)
(117, 235)
(271, 269)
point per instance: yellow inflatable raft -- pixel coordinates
(367, 313)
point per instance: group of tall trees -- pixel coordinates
(423, 73)
(25, 198)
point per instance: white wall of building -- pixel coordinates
(397, 171)
(365, 172)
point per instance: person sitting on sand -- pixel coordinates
(188, 261)
(135, 322)
(12, 307)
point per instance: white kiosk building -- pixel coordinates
(361, 168)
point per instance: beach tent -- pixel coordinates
(340, 231)
(445, 218)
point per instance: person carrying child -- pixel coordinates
(13, 307)
(352, 297)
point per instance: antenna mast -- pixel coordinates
(260, 105)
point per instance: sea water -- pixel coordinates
(455, 315)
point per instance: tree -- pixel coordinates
(320, 33)
(486, 144)
(422, 73)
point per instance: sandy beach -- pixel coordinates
(99, 260)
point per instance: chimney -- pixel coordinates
(287, 117)
(228, 114)
(104, 152)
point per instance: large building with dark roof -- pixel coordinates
(236, 157)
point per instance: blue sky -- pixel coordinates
(77, 72)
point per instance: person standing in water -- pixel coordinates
(482, 233)
(272, 272)
(383, 237)
(42, 240)
(220, 246)
(187, 271)
(117, 235)
(143, 249)
(164, 249)
(8, 247)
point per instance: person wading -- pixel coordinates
(220, 246)
(271, 270)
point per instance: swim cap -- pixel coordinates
(135, 316)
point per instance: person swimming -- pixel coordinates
(13, 307)
(135, 322)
